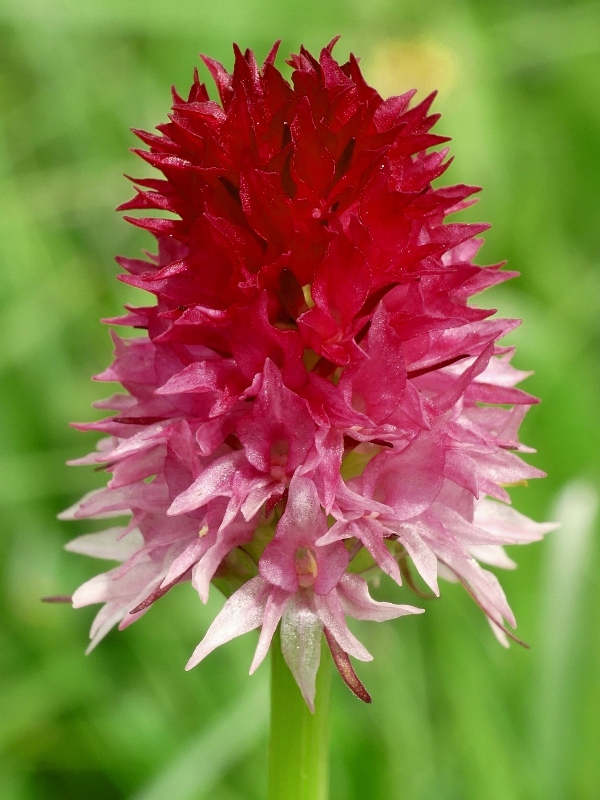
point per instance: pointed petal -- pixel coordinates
(93, 591)
(215, 481)
(278, 599)
(370, 532)
(242, 612)
(509, 525)
(110, 544)
(331, 614)
(422, 556)
(235, 535)
(492, 554)
(190, 556)
(481, 584)
(301, 645)
(353, 592)
(104, 621)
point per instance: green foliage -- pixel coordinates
(455, 717)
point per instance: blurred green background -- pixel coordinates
(455, 716)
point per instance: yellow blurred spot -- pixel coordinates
(203, 531)
(395, 66)
(308, 295)
(306, 567)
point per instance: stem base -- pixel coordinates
(299, 740)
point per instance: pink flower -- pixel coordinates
(315, 397)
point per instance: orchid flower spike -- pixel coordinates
(315, 401)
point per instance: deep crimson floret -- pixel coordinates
(315, 399)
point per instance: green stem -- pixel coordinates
(299, 742)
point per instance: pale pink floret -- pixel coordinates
(304, 586)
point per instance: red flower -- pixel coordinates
(311, 354)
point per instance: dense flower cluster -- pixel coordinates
(315, 400)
